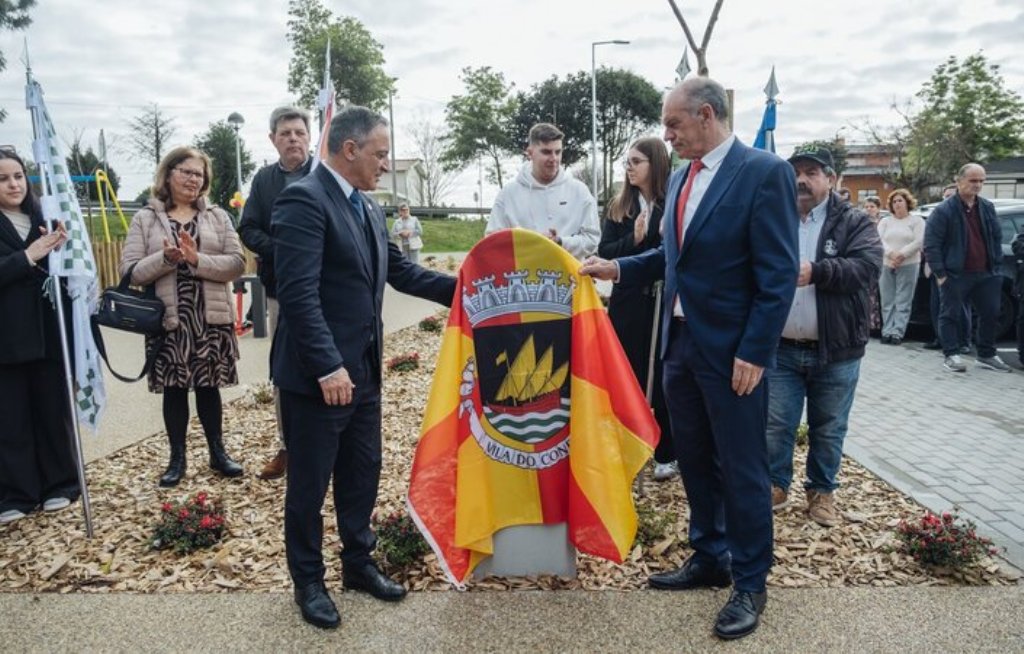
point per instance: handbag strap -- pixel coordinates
(126, 281)
(151, 353)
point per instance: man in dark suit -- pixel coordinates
(730, 261)
(332, 258)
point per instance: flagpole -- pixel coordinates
(58, 300)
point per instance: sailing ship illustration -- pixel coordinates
(528, 405)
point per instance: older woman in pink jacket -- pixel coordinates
(189, 250)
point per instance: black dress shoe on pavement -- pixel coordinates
(369, 579)
(316, 606)
(740, 615)
(692, 575)
(932, 345)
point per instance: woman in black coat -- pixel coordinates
(37, 466)
(632, 225)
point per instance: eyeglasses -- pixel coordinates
(633, 163)
(190, 174)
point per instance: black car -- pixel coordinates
(1010, 214)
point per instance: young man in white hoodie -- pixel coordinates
(546, 199)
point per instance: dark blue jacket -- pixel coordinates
(331, 284)
(945, 237)
(737, 271)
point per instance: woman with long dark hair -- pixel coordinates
(189, 251)
(37, 464)
(632, 225)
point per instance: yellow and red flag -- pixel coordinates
(534, 416)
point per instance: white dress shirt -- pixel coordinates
(802, 323)
(712, 162)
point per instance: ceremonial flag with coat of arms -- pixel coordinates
(74, 260)
(534, 416)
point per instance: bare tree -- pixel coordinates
(148, 134)
(701, 52)
(435, 182)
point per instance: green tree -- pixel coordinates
(480, 121)
(968, 115)
(563, 103)
(149, 132)
(627, 107)
(219, 143)
(357, 59)
(87, 162)
(13, 16)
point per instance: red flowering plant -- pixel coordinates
(404, 362)
(945, 540)
(398, 539)
(190, 525)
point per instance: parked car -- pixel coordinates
(1010, 214)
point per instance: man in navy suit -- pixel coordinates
(332, 257)
(729, 260)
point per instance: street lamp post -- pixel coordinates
(236, 121)
(593, 109)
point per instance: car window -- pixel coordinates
(1010, 224)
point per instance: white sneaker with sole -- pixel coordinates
(665, 471)
(56, 504)
(954, 363)
(10, 516)
(994, 363)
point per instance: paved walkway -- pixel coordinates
(947, 439)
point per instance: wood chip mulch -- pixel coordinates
(49, 552)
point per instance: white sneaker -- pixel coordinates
(10, 516)
(954, 363)
(994, 363)
(56, 504)
(665, 471)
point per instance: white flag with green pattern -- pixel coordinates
(74, 261)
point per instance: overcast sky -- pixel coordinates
(836, 63)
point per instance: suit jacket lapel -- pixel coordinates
(670, 236)
(722, 181)
(349, 221)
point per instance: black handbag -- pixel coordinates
(127, 309)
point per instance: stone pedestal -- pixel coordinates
(530, 550)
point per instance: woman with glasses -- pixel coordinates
(189, 250)
(632, 225)
(37, 466)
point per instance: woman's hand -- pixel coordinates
(46, 243)
(172, 254)
(189, 249)
(640, 228)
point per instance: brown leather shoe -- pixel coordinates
(822, 508)
(276, 467)
(780, 499)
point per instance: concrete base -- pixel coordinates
(530, 550)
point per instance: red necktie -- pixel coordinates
(695, 167)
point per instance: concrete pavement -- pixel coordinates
(857, 620)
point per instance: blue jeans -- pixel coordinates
(829, 391)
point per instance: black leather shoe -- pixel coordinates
(369, 579)
(316, 606)
(692, 575)
(932, 345)
(740, 615)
